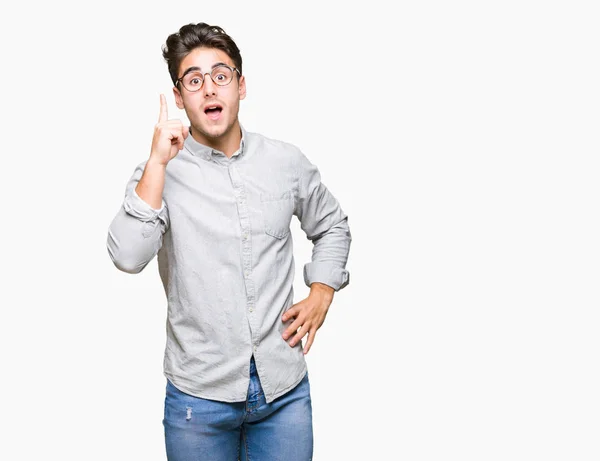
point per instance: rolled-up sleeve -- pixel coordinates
(136, 232)
(326, 225)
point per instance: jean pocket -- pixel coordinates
(277, 210)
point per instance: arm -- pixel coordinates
(326, 225)
(135, 234)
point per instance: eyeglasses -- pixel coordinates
(220, 75)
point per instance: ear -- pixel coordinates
(178, 98)
(242, 87)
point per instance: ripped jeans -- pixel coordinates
(198, 429)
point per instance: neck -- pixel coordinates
(227, 143)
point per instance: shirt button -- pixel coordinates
(246, 274)
(251, 310)
(255, 348)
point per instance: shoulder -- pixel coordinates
(275, 147)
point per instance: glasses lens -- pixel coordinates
(221, 75)
(192, 81)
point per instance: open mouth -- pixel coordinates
(213, 111)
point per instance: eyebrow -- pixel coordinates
(194, 68)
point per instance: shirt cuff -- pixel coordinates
(327, 273)
(135, 206)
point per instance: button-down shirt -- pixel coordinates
(225, 257)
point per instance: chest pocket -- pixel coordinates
(277, 210)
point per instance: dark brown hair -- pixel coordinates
(191, 36)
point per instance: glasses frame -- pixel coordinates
(180, 79)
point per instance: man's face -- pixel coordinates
(206, 122)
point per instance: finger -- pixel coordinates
(177, 139)
(163, 117)
(174, 135)
(298, 337)
(186, 131)
(291, 329)
(291, 312)
(309, 341)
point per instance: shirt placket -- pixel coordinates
(246, 232)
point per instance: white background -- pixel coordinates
(461, 138)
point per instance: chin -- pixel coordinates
(209, 131)
(217, 131)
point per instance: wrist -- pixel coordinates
(322, 289)
(153, 162)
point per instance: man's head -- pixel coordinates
(206, 69)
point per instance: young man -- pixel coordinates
(215, 202)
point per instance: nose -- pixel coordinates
(210, 87)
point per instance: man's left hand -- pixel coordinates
(309, 315)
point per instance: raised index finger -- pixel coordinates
(163, 117)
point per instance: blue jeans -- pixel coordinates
(199, 429)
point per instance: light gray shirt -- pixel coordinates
(225, 258)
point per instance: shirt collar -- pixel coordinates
(208, 153)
